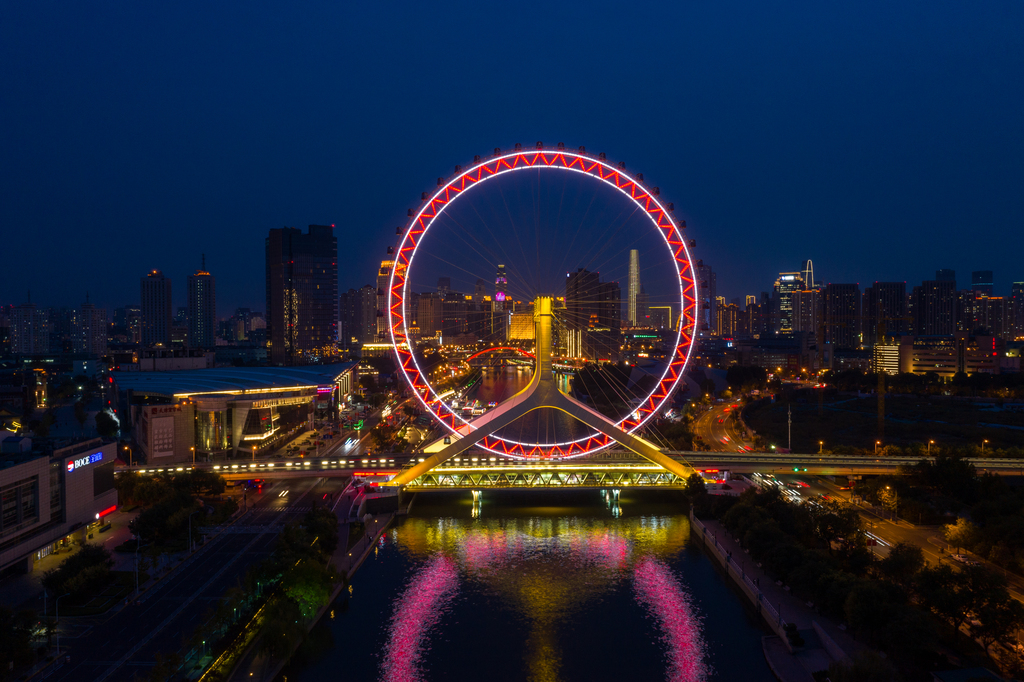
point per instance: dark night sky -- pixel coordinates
(881, 139)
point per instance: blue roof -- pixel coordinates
(228, 379)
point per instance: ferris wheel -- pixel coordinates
(601, 175)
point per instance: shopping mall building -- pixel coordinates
(51, 500)
(225, 412)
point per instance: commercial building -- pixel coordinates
(156, 309)
(806, 310)
(782, 301)
(842, 316)
(89, 330)
(983, 282)
(50, 500)
(302, 294)
(885, 311)
(632, 314)
(202, 309)
(224, 412)
(934, 305)
(948, 355)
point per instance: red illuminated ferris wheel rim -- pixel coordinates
(500, 164)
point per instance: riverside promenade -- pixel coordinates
(824, 641)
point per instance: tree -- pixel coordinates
(695, 485)
(868, 608)
(902, 564)
(1000, 618)
(867, 666)
(960, 534)
(106, 425)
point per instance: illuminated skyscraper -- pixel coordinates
(383, 279)
(302, 294)
(500, 288)
(782, 301)
(807, 272)
(634, 288)
(156, 309)
(202, 309)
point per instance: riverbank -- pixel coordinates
(823, 642)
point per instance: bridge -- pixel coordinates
(474, 472)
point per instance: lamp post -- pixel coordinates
(821, 444)
(983, 447)
(193, 449)
(877, 443)
(190, 529)
(58, 620)
(930, 444)
(254, 453)
(131, 456)
(895, 504)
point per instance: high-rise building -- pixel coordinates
(661, 316)
(750, 300)
(806, 310)
(202, 308)
(609, 313)
(994, 316)
(444, 285)
(634, 288)
(885, 311)
(29, 330)
(945, 275)
(429, 314)
(453, 314)
(935, 306)
(707, 290)
(1017, 309)
(983, 282)
(966, 309)
(782, 301)
(480, 293)
(643, 308)
(302, 294)
(842, 315)
(500, 288)
(156, 309)
(90, 332)
(581, 294)
(727, 320)
(383, 281)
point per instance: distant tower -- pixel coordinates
(202, 308)
(634, 287)
(500, 287)
(156, 309)
(982, 282)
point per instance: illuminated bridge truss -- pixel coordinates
(549, 476)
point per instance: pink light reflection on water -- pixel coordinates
(657, 588)
(416, 612)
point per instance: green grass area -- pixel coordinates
(911, 421)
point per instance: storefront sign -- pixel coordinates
(84, 461)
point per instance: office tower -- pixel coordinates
(429, 314)
(90, 332)
(500, 288)
(202, 309)
(581, 295)
(609, 310)
(750, 300)
(156, 310)
(60, 323)
(935, 308)
(806, 310)
(366, 314)
(453, 314)
(807, 272)
(444, 285)
(945, 275)
(1017, 310)
(842, 315)
(706, 292)
(982, 282)
(782, 301)
(967, 309)
(885, 308)
(302, 294)
(383, 282)
(347, 320)
(480, 293)
(634, 288)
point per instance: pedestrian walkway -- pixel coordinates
(824, 640)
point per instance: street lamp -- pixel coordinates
(930, 444)
(895, 504)
(254, 453)
(983, 447)
(821, 444)
(877, 443)
(58, 621)
(193, 449)
(131, 456)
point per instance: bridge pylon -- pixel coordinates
(541, 393)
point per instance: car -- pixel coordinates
(962, 558)
(720, 421)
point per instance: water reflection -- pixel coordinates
(546, 569)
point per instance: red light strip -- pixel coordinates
(560, 160)
(108, 510)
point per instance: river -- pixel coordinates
(544, 586)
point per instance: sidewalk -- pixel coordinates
(824, 641)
